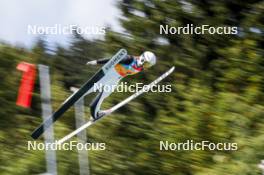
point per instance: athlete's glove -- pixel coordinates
(94, 62)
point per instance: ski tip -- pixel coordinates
(171, 69)
(123, 50)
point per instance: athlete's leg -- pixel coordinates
(111, 80)
(97, 102)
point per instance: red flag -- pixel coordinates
(27, 84)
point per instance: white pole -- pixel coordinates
(80, 120)
(46, 112)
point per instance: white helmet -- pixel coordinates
(147, 59)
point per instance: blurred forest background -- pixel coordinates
(218, 94)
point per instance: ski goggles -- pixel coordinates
(141, 60)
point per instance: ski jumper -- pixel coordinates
(127, 66)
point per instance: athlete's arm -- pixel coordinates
(127, 60)
(100, 61)
(103, 60)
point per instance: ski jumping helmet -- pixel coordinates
(147, 59)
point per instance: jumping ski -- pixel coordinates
(117, 106)
(108, 66)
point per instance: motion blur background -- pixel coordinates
(218, 85)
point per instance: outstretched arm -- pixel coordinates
(127, 60)
(100, 61)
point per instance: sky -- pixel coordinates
(17, 15)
